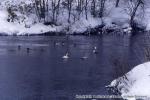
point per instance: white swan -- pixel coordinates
(66, 56)
(57, 44)
(84, 57)
(95, 50)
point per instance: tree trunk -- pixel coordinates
(101, 14)
(117, 3)
(93, 8)
(133, 14)
(69, 9)
(86, 4)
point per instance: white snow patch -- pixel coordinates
(114, 17)
(11, 28)
(82, 25)
(135, 83)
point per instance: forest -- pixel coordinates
(76, 16)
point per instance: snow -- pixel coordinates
(79, 26)
(30, 25)
(11, 28)
(147, 20)
(135, 83)
(82, 25)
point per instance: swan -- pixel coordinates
(56, 43)
(19, 47)
(95, 50)
(66, 56)
(63, 43)
(84, 57)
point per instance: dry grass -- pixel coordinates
(147, 53)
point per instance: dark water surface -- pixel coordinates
(40, 73)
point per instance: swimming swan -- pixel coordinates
(66, 56)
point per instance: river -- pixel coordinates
(32, 68)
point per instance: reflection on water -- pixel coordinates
(32, 68)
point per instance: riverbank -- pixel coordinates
(115, 19)
(135, 84)
(93, 26)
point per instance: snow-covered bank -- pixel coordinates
(80, 26)
(19, 17)
(14, 28)
(135, 84)
(11, 28)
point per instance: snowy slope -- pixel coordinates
(27, 21)
(135, 83)
(11, 28)
(18, 27)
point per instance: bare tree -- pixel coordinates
(117, 3)
(102, 7)
(36, 2)
(40, 6)
(93, 8)
(86, 8)
(55, 4)
(47, 9)
(69, 6)
(133, 7)
(80, 7)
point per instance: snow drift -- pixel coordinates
(135, 84)
(26, 20)
(11, 28)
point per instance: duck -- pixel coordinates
(95, 50)
(42, 50)
(63, 43)
(56, 43)
(66, 56)
(19, 47)
(74, 44)
(28, 50)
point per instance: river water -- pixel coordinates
(32, 68)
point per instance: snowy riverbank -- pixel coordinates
(15, 19)
(135, 83)
(79, 27)
(11, 28)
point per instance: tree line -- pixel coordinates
(49, 11)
